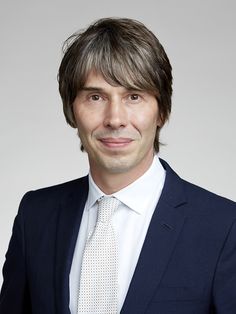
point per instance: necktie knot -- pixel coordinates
(107, 205)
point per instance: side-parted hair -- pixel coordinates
(125, 53)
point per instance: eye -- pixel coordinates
(95, 97)
(134, 97)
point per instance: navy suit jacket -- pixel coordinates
(187, 264)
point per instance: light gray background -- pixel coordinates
(38, 149)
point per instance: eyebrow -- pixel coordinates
(99, 89)
(92, 88)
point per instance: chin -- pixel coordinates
(117, 165)
(117, 169)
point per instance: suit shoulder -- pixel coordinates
(52, 195)
(206, 200)
(64, 187)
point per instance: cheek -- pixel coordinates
(146, 121)
(86, 121)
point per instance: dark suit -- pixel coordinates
(187, 264)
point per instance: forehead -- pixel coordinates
(95, 77)
(96, 81)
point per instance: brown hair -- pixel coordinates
(126, 53)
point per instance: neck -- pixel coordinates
(110, 183)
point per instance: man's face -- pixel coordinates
(116, 126)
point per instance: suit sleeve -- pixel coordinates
(14, 297)
(224, 290)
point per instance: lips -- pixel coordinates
(115, 142)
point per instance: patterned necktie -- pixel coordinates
(98, 282)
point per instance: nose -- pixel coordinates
(115, 114)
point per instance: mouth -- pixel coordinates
(115, 142)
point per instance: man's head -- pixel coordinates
(126, 54)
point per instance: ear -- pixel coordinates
(160, 121)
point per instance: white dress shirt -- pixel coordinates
(130, 222)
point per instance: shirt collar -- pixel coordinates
(133, 194)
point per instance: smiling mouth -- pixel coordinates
(115, 142)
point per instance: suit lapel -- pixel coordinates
(67, 230)
(162, 235)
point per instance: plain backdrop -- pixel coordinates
(38, 148)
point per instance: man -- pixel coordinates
(157, 244)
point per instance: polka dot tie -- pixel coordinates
(98, 281)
